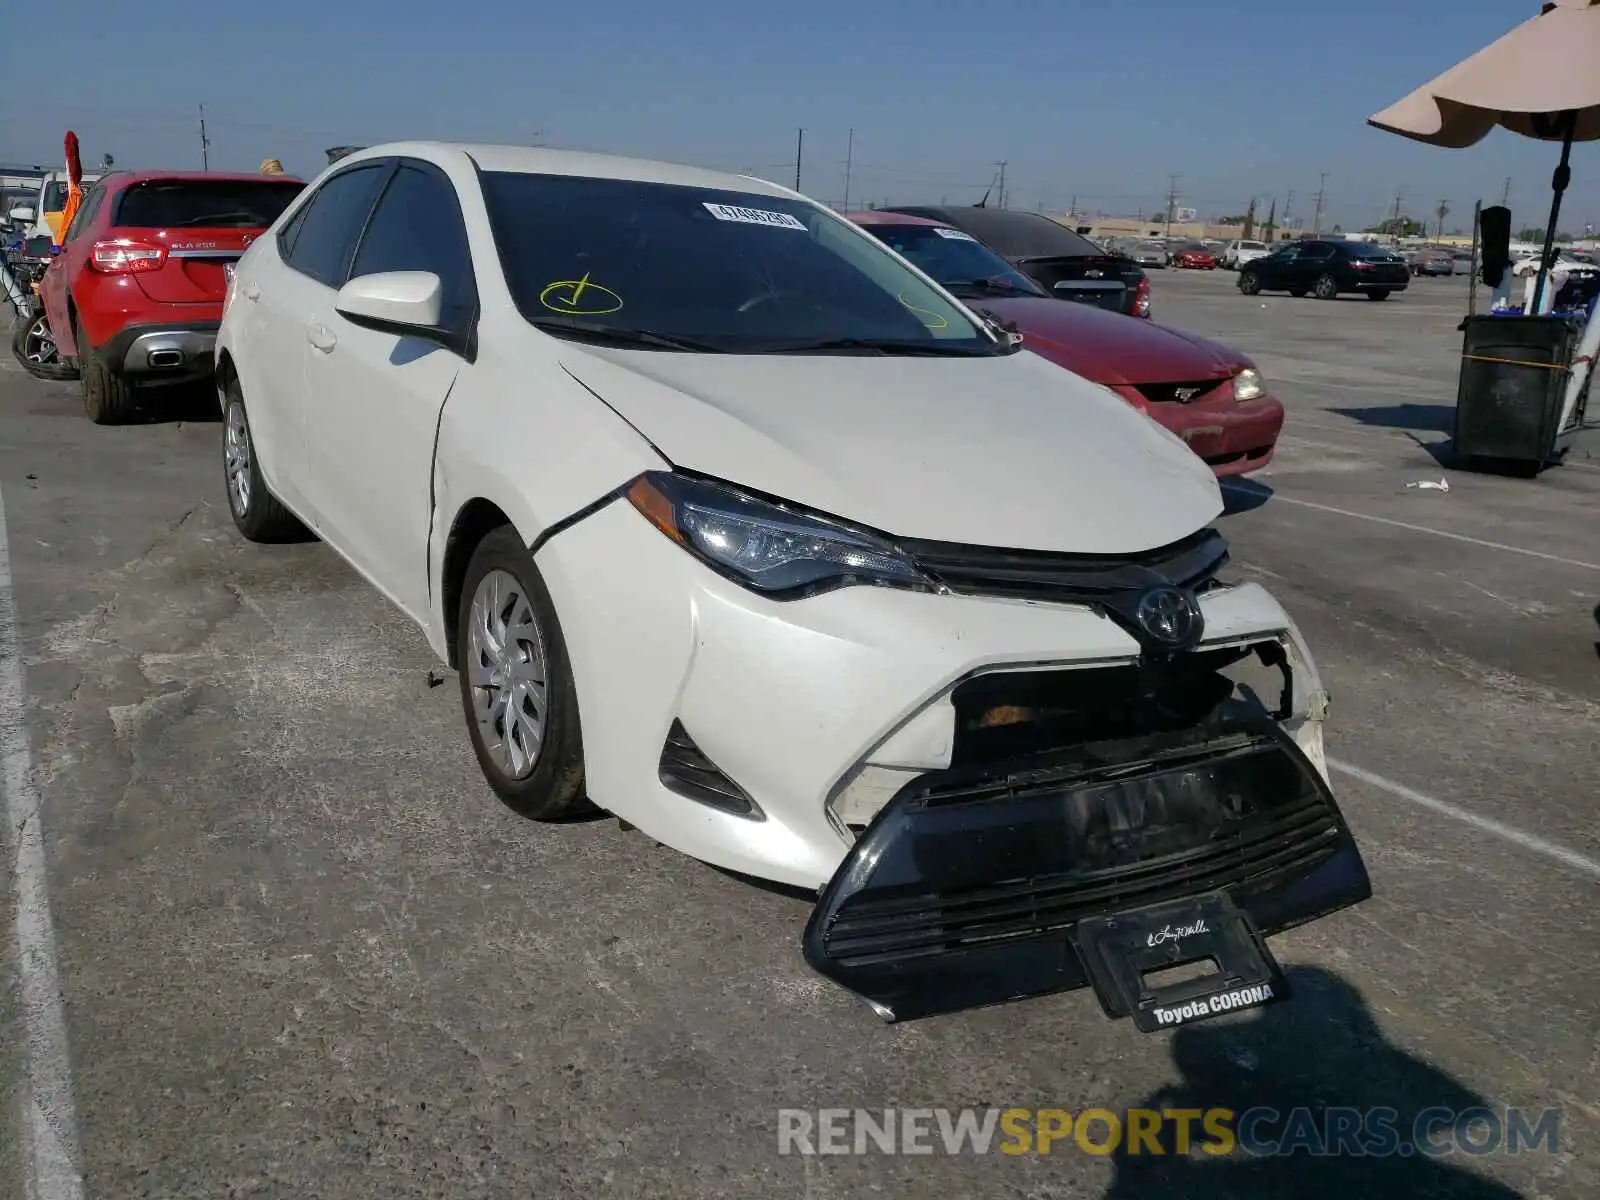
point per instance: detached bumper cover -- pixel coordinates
(966, 888)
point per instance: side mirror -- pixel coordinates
(24, 215)
(400, 301)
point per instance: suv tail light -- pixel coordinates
(1141, 298)
(1362, 265)
(121, 256)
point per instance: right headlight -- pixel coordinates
(772, 549)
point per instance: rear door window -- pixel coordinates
(332, 223)
(220, 204)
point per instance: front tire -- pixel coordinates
(257, 513)
(1327, 288)
(107, 396)
(517, 693)
(1250, 283)
(34, 347)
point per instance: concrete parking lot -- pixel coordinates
(303, 951)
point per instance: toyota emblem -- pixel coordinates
(1169, 618)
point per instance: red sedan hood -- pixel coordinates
(1110, 348)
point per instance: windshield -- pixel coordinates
(220, 204)
(55, 196)
(1252, 245)
(962, 265)
(1367, 250)
(701, 269)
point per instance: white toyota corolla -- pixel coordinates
(737, 526)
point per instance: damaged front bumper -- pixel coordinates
(1095, 863)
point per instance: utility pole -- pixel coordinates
(1000, 201)
(849, 154)
(1442, 212)
(1505, 196)
(1172, 200)
(799, 150)
(1394, 228)
(1316, 220)
(1288, 207)
(1073, 211)
(205, 142)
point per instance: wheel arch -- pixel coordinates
(473, 522)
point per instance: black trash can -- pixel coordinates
(1514, 373)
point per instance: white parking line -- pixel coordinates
(1569, 858)
(49, 1119)
(1280, 498)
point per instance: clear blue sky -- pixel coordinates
(1099, 100)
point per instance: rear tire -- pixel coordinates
(517, 692)
(107, 396)
(257, 513)
(1327, 288)
(1250, 283)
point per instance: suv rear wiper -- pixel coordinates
(928, 349)
(617, 335)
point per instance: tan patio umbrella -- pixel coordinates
(1541, 80)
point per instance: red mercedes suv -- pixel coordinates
(135, 291)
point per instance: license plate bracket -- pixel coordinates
(1119, 952)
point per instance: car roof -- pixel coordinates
(125, 178)
(538, 160)
(877, 216)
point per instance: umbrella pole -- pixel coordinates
(1558, 182)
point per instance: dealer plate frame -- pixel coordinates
(1120, 949)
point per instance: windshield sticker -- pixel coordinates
(579, 298)
(931, 319)
(954, 234)
(754, 216)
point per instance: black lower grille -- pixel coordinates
(967, 887)
(1292, 840)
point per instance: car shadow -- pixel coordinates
(1243, 495)
(1311, 1069)
(1424, 418)
(177, 403)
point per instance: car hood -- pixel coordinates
(1008, 451)
(1110, 348)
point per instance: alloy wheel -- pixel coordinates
(39, 346)
(506, 671)
(236, 459)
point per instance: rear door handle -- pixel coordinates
(321, 337)
(252, 291)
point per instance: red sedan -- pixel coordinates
(1195, 258)
(1210, 396)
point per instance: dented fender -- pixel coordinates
(539, 453)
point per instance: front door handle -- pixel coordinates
(321, 337)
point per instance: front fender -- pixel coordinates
(531, 440)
